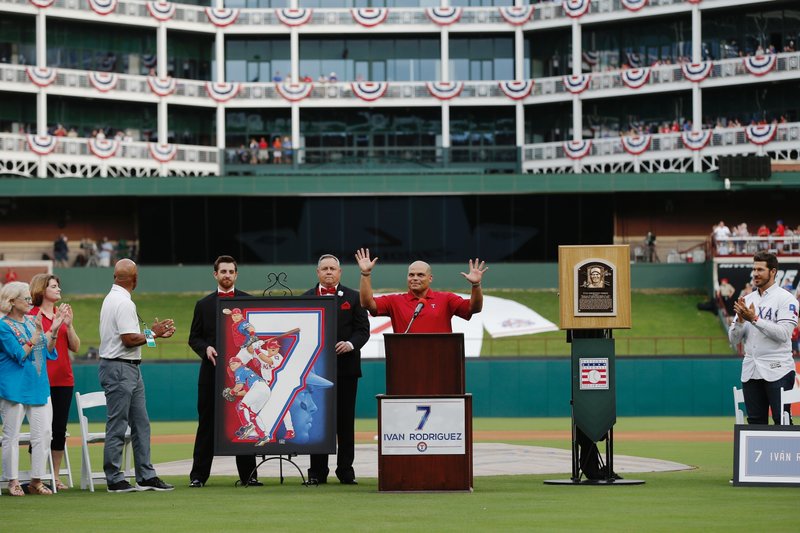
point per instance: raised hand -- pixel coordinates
(476, 270)
(60, 317)
(68, 316)
(364, 263)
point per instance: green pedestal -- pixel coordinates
(594, 398)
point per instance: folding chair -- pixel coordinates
(790, 397)
(738, 398)
(88, 478)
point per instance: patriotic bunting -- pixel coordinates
(516, 16)
(294, 92)
(103, 148)
(369, 91)
(293, 17)
(761, 134)
(221, 17)
(445, 90)
(577, 149)
(635, 77)
(697, 72)
(589, 59)
(163, 153)
(444, 16)
(42, 144)
(633, 5)
(516, 90)
(222, 91)
(162, 87)
(577, 84)
(41, 76)
(103, 81)
(696, 140)
(42, 4)
(576, 8)
(369, 17)
(161, 10)
(103, 7)
(636, 145)
(760, 65)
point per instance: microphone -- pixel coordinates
(417, 311)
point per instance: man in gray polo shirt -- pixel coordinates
(765, 319)
(121, 379)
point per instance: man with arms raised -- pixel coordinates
(352, 333)
(120, 376)
(203, 340)
(438, 308)
(765, 319)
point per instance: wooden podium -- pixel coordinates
(425, 417)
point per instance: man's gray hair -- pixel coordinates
(328, 256)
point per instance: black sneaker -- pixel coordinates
(196, 484)
(154, 483)
(121, 486)
(254, 483)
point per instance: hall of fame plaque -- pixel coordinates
(595, 288)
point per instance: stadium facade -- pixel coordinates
(385, 109)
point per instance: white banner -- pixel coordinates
(423, 426)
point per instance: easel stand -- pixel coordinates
(281, 460)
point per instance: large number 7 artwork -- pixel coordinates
(276, 376)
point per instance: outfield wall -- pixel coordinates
(253, 278)
(514, 387)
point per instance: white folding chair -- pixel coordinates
(738, 398)
(88, 477)
(790, 397)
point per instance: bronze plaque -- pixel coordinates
(595, 288)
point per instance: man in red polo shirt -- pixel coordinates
(438, 307)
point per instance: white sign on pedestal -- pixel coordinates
(423, 426)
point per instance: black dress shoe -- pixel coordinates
(254, 483)
(196, 484)
(348, 482)
(317, 481)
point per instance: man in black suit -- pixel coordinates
(203, 340)
(352, 333)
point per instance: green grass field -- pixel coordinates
(664, 324)
(696, 500)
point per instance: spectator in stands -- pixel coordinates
(61, 251)
(763, 231)
(277, 78)
(333, 78)
(263, 151)
(60, 131)
(277, 155)
(104, 255)
(720, 235)
(287, 149)
(11, 275)
(45, 292)
(741, 232)
(780, 229)
(24, 388)
(253, 151)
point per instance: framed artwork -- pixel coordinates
(276, 376)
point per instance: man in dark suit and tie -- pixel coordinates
(203, 340)
(351, 335)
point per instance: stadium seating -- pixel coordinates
(88, 477)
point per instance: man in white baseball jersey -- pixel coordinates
(765, 319)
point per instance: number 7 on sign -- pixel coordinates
(426, 410)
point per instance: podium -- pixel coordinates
(425, 417)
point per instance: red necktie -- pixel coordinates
(324, 292)
(228, 294)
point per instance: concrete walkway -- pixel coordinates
(491, 459)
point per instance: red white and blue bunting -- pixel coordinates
(761, 134)
(163, 153)
(369, 17)
(369, 91)
(577, 149)
(697, 72)
(222, 91)
(294, 92)
(516, 90)
(103, 81)
(161, 10)
(293, 17)
(445, 90)
(633, 5)
(696, 140)
(103, 7)
(42, 4)
(576, 8)
(162, 87)
(636, 145)
(760, 65)
(42, 144)
(635, 78)
(41, 76)
(221, 17)
(517, 15)
(104, 148)
(577, 84)
(444, 16)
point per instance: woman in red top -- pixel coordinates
(45, 292)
